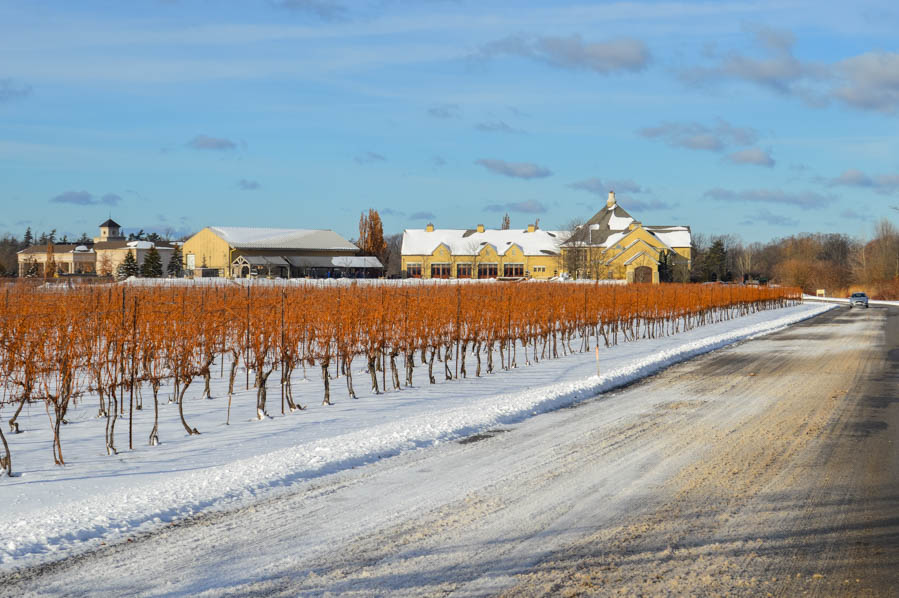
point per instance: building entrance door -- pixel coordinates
(643, 274)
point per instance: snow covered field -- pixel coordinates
(51, 512)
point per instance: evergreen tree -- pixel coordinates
(716, 261)
(152, 266)
(175, 268)
(666, 267)
(507, 222)
(29, 238)
(128, 268)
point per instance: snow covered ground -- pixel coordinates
(51, 512)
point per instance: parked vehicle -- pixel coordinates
(858, 299)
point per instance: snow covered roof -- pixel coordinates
(245, 237)
(141, 244)
(470, 242)
(673, 236)
(338, 261)
(609, 225)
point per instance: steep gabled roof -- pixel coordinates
(111, 223)
(245, 237)
(601, 226)
(610, 224)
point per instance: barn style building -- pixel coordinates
(246, 252)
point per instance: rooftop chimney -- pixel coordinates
(430, 227)
(610, 203)
(480, 228)
(531, 228)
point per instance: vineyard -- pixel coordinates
(113, 348)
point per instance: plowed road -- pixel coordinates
(770, 467)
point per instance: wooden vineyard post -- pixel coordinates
(131, 393)
(458, 324)
(282, 351)
(246, 359)
(597, 360)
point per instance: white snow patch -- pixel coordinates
(50, 513)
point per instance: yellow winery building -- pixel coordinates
(613, 245)
(481, 253)
(243, 252)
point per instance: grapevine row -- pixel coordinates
(105, 342)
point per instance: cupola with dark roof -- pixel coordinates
(109, 231)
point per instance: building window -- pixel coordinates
(513, 270)
(463, 270)
(440, 270)
(487, 270)
(413, 270)
(538, 269)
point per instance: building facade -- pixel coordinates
(613, 245)
(481, 253)
(244, 252)
(102, 257)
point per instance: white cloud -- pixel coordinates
(806, 200)
(572, 52)
(752, 155)
(521, 170)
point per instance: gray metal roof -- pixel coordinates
(245, 237)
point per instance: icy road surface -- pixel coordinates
(769, 466)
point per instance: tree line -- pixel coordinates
(834, 262)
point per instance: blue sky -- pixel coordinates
(760, 119)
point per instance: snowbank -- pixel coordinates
(61, 525)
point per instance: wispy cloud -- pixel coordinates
(884, 184)
(764, 216)
(83, 198)
(696, 136)
(497, 126)
(248, 185)
(422, 216)
(438, 161)
(851, 214)
(573, 52)
(806, 200)
(369, 157)
(323, 9)
(520, 170)
(868, 81)
(10, 90)
(752, 155)
(391, 212)
(530, 206)
(205, 142)
(598, 187)
(445, 111)
(650, 204)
